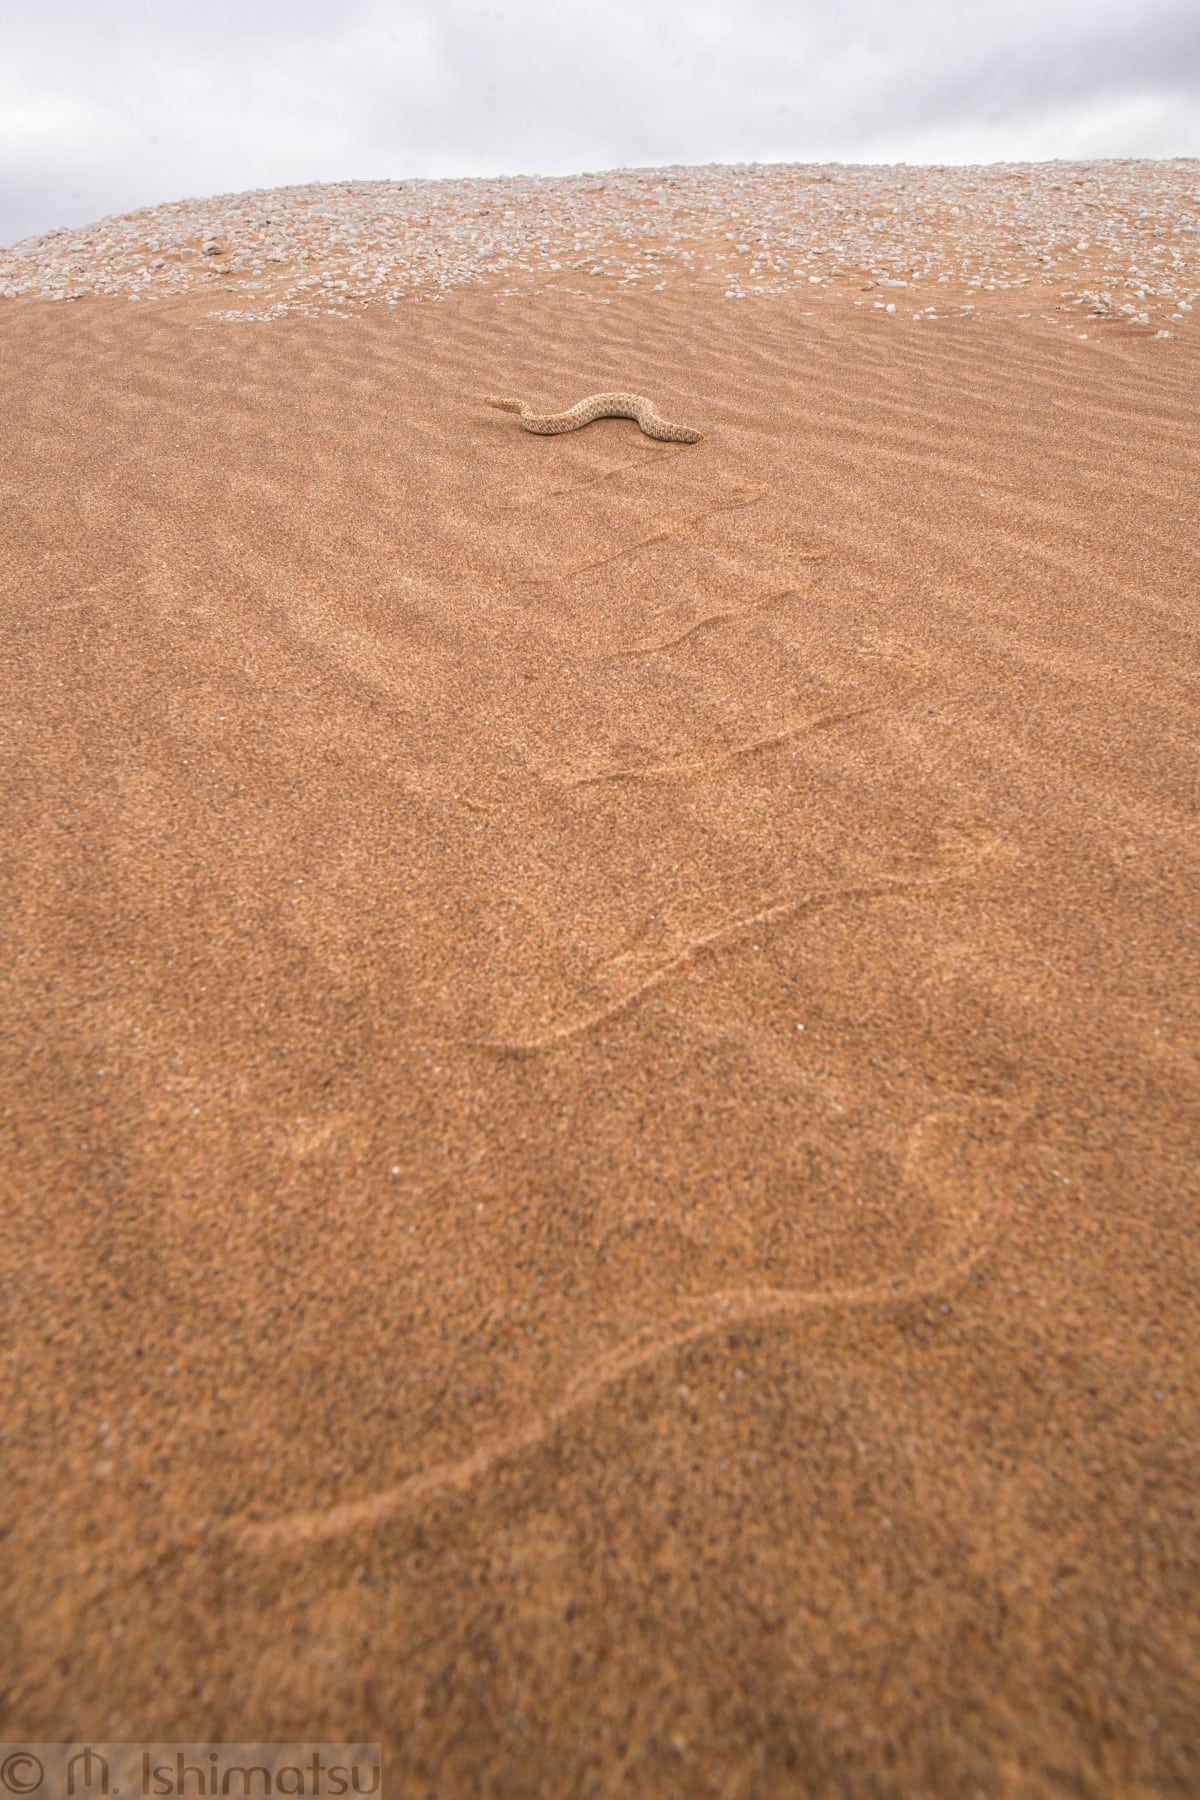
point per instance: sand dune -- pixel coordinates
(599, 1069)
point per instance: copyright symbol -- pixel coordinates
(21, 1772)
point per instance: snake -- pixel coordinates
(601, 406)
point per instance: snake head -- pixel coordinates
(505, 405)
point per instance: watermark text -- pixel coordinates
(161, 1771)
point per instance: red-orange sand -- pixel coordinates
(599, 1046)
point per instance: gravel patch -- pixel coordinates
(1066, 242)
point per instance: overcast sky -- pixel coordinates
(107, 105)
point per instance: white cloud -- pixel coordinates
(141, 101)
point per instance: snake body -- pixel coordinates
(601, 406)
